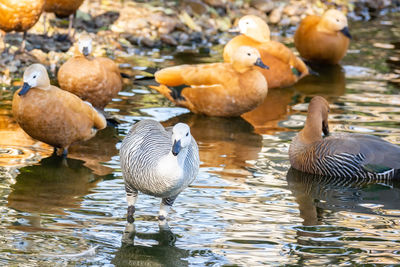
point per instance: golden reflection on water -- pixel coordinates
(225, 144)
(16, 147)
(266, 117)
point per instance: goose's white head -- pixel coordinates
(181, 137)
(35, 76)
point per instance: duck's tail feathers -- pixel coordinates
(171, 76)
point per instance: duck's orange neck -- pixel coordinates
(241, 68)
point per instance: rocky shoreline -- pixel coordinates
(120, 26)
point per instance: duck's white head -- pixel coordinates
(334, 21)
(255, 28)
(245, 58)
(181, 137)
(85, 45)
(35, 76)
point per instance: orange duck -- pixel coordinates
(323, 39)
(286, 68)
(52, 115)
(63, 8)
(217, 89)
(96, 80)
(19, 15)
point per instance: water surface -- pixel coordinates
(247, 207)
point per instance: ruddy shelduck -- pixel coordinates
(217, 89)
(20, 15)
(323, 39)
(52, 115)
(285, 67)
(346, 155)
(94, 79)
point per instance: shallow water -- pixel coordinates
(246, 206)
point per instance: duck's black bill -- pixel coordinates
(85, 51)
(346, 32)
(25, 89)
(261, 64)
(176, 147)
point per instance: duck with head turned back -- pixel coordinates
(285, 67)
(94, 79)
(20, 15)
(52, 115)
(158, 162)
(218, 89)
(323, 39)
(342, 154)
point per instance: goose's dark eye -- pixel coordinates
(248, 54)
(34, 76)
(187, 134)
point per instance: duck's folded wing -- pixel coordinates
(286, 55)
(202, 74)
(82, 109)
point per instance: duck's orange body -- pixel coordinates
(318, 41)
(19, 15)
(285, 67)
(96, 80)
(56, 117)
(52, 115)
(62, 8)
(218, 89)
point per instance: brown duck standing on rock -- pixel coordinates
(94, 79)
(52, 115)
(63, 9)
(346, 155)
(20, 15)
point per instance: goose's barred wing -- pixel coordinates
(352, 165)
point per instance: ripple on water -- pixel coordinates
(245, 208)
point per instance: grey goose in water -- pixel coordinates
(341, 154)
(158, 162)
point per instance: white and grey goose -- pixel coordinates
(158, 162)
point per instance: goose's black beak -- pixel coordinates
(325, 128)
(346, 32)
(25, 89)
(85, 51)
(261, 64)
(176, 147)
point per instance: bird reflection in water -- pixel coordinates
(164, 253)
(266, 117)
(330, 82)
(50, 187)
(315, 194)
(97, 150)
(224, 142)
